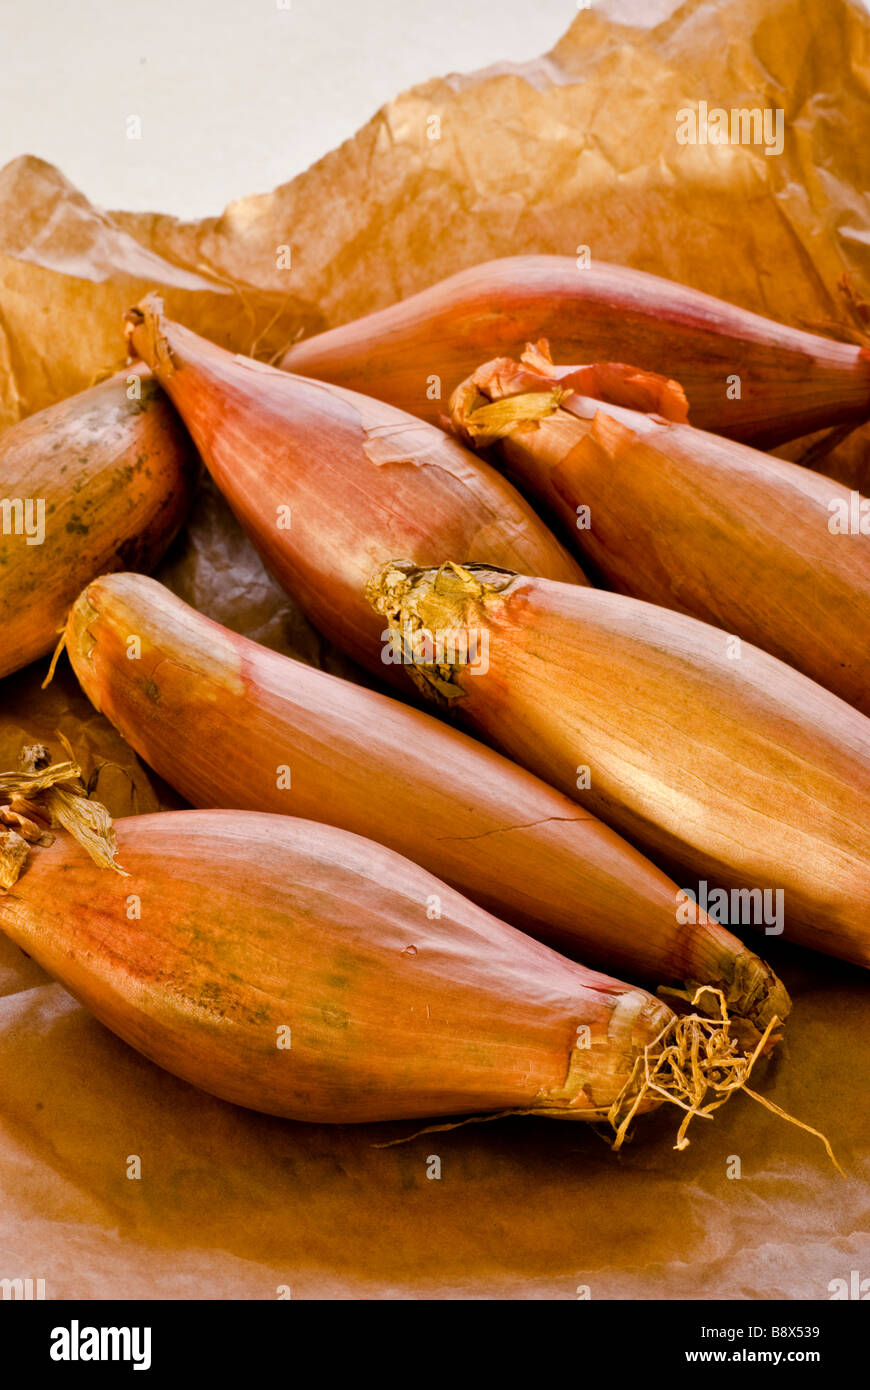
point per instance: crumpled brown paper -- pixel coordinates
(576, 148)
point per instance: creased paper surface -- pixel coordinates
(573, 149)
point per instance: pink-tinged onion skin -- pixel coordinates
(219, 717)
(694, 522)
(328, 483)
(253, 928)
(791, 382)
(115, 476)
(743, 771)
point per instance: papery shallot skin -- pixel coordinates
(299, 970)
(742, 771)
(329, 483)
(229, 723)
(112, 473)
(790, 382)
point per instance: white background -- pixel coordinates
(234, 96)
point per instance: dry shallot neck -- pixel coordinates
(430, 612)
(145, 331)
(483, 420)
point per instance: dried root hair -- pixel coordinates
(695, 1056)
